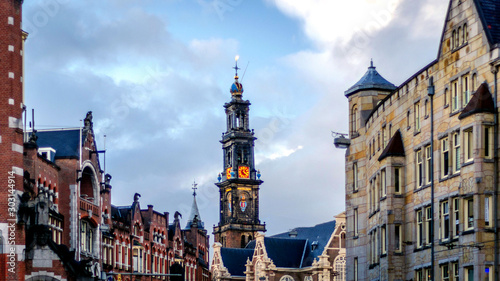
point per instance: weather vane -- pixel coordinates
(194, 187)
(236, 67)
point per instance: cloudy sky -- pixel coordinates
(156, 74)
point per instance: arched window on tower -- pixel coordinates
(354, 121)
(339, 267)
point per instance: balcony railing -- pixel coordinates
(87, 205)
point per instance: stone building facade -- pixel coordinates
(56, 217)
(422, 165)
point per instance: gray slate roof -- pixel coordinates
(490, 16)
(65, 142)
(235, 260)
(372, 80)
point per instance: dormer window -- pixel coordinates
(47, 152)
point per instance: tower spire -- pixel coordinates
(237, 88)
(194, 218)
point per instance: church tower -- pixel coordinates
(239, 182)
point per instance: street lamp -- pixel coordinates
(340, 140)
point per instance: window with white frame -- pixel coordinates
(454, 95)
(397, 180)
(428, 222)
(456, 152)
(469, 213)
(445, 272)
(419, 275)
(355, 221)
(445, 158)
(456, 217)
(466, 94)
(428, 166)
(469, 273)
(420, 228)
(427, 274)
(469, 145)
(86, 237)
(488, 142)
(488, 215)
(384, 137)
(419, 168)
(444, 222)
(417, 117)
(398, 235)
(383, 240)
(383, 183)
(355, 176)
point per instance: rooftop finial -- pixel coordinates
(236, 67)
(194, 188)
(371, 62)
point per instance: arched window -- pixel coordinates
(460, 36)
(339, 267)
(474, 82)
(354, 121)
(466, 34)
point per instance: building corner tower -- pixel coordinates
(239, 183)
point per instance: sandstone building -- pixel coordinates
(422, 165)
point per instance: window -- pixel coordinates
(473, 82)
(420, 168)
(426, 108)
(373, 145)
(356, 219)
(428, 166)
(469, 273)
(454, 95)
(460, 37)
(354, 121)
(445, 158)
(489, 270)
(390, 130)
(428, 223)
(383, 183)
(399, 238)
(456, 217)
(417, 117)
(378, 141)
(445, 221)
(468, 142)
(356, 269)
(383, 240)
(397, 180)
(466, 94)
(488, 215)
(456, 273)
(427, 272)
(466, 34)
(86, 237)
(445, 272)
(419, 275)
(469, 213)
(420, 229)
(488, 142)
(384, 138)
(456, 152)
(355, 176)
(453, 43)
(370, 150)
(408, 119)
(445, 97)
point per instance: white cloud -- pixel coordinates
(327, 21)
(277, 151)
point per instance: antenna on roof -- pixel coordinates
(243, 76)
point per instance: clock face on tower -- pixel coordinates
(244, 172)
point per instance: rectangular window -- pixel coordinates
(488, 142)
(445, 158)
(419, 275)
(356, 222)
(456, 273)
(355, 269)
(427, 272)
(370, 203)
(468, 142)
(397, 180)
(469, 213)
(383, 183)
(445, 221)
(445, 272)
(384, 137)
(456, 217)
(399, 238)
(420, 168)
(469, 273)
(456, 152)
(454, 95)
(466, 94)
(417, 117)
(428, 223)
(420, 228)
(428, 166)
(355, 176)
(383, 240)
(488, 211)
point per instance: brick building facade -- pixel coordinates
(56, 217)
(422, 165)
